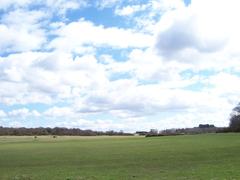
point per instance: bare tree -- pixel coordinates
(235, 119)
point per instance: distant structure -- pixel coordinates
(141, 133)
(206, 126)
(201, 129)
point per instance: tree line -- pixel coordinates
(60, 131)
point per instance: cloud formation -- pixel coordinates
(201, 26)
(165, 65)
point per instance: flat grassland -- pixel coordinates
(208, 156)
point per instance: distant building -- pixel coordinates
(141, 133)
(206, 126)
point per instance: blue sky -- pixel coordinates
(118, 65)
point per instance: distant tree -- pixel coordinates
(237, 108)
(235, 119)
(57, 131)
(153, 132)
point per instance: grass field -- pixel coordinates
(209, 156)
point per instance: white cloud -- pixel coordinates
(225, 85)
(2, 114)
(130, 10)
(146, 14)
(81, 33)
(147, 66)
(62, 6)
(48, 77)
(20, 18)
(23, 113)
(165, 5)
(146, 89)
(57, 76)
(107, 3)
(4, 4)
(152, 7)
(201, 26)
(21, 31)
(177, 119)
(13, 40)
(59, 7)
(15, 124)
(55, 112)
(145, 100)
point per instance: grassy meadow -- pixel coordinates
(208, 156)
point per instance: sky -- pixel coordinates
(118, 64)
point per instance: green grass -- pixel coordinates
(209, 156)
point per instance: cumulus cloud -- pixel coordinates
(152, 7)
(23, 113)
(2, 114)
(4, 4)
(62, 6)
(130, 10)
(54, 6)
(201, 26)
(21, 31)
(79, 34)
(14, 41)
(48, 77)
(129, 78)
(226, 85)
(59, 112)
(146, 14)
(145, 100)
(106, 3)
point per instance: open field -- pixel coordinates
(209, 156)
